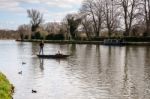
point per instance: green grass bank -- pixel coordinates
(6, 89)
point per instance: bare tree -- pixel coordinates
(52, 27)
(36, 18)
(24, 30)
(73, 21)
(129, 9)
(111, 16)
(94, 9)
(87, 26)
(147, 16)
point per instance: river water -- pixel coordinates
(91, 72)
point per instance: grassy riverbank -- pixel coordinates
(6, 89)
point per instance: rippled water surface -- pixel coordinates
(91, 72)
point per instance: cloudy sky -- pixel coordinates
(13, 12)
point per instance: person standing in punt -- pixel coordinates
(41, 47)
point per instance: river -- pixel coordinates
(91, 72)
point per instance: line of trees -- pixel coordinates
(96, 18)
(128, 16)
(117, 15)
(8, 34)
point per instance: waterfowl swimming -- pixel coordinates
(34, 91)
(23, 63)
(20, 72)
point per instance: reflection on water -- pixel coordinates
(91, 72)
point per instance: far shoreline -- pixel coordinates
(83, 42)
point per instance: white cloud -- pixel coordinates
(57, 17)
(19, 7)
(60, 5)
(11, 5)
(64, 3)
(15, 5)
(53, 1)
(29, 1)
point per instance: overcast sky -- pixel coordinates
(13, 12)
